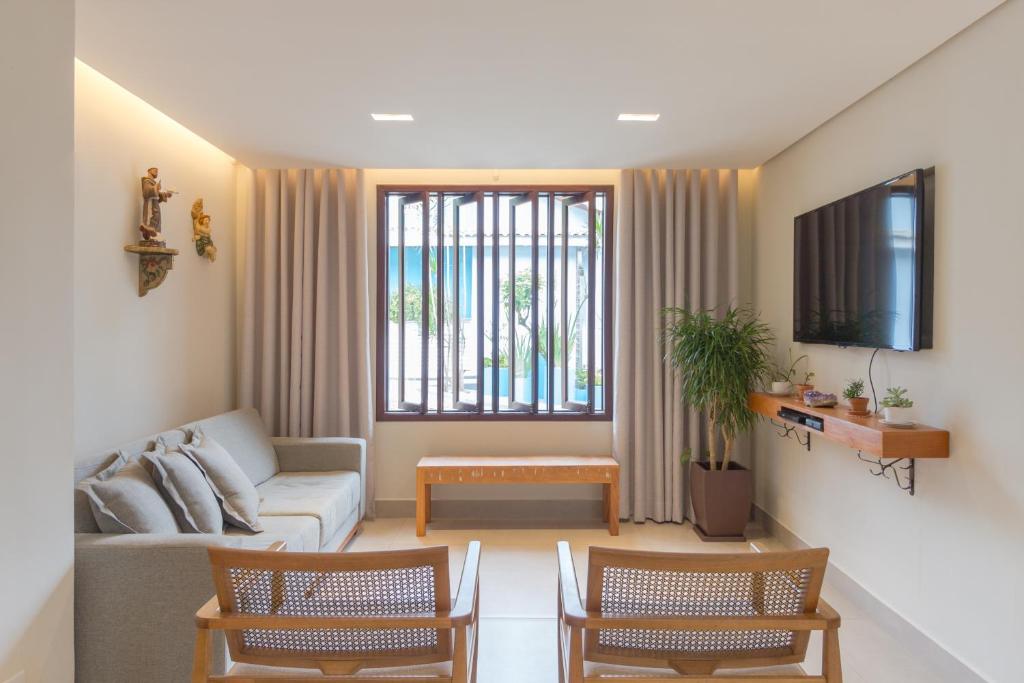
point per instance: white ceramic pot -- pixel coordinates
(897, 415)
(780, 388)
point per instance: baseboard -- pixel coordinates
(916, 643)
(528, 510)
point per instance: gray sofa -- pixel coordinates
(136, 594)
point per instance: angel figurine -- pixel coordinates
(152, 196)
(201, 232)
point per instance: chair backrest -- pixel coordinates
(378, 584)
(701, 585)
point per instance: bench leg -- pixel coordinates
(612, 507)
(429, 495)
(422, 505)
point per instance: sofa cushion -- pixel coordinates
(300, 532)
(85, 522)
(185, 489)
(239, 500)
(243, 435)
(330, 497)
(125, 500)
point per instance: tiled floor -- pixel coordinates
(518, 578)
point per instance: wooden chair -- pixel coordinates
(333, 614)
(693, 614)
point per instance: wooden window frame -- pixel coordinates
(607, 286)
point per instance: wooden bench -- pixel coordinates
(531, 469)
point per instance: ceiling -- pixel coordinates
(527, 84)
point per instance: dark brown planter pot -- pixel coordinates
(721, 501)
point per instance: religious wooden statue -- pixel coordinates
(201, 232)
(152, 196)
(155, 257)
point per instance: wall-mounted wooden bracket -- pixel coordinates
(882, 469)
(155, 259)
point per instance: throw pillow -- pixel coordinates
(185, 489)
(239, 500)
(124, 500)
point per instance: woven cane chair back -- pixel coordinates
(647, 584)
(380, 584)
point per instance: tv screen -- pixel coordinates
(862, 267)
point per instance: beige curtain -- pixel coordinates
(676, 246)
(305, 326)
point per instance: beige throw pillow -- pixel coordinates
(124, 500)
(185, 489)
(239, 500)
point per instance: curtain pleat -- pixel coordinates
(676, 247)
(305, 332)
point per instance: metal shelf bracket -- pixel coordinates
(785, 431)
(903, 475)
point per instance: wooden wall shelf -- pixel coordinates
(866, 434)
(155, 259)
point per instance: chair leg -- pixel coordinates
(201, 656)
(561, 654)
(559, 636)
(575, 655)
(831, 664)
(475, 650)
(460, 657)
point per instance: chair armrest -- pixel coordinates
(569, 590)
(323, 454)
(464, 610)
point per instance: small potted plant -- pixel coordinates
(781, 386)
(854, 395)
(719, 360)
(782, 378)
(896, 406)
(802, 388)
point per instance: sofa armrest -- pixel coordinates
(324, 454)
(135, 599)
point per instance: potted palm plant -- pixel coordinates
(720, 360)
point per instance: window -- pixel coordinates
(494, 303)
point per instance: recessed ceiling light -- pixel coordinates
(638, 117)
(392, 117)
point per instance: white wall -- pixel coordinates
(948, 559)
(399, 445)
(143, 364)
(36, 212)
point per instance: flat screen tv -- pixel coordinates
(863, 267)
